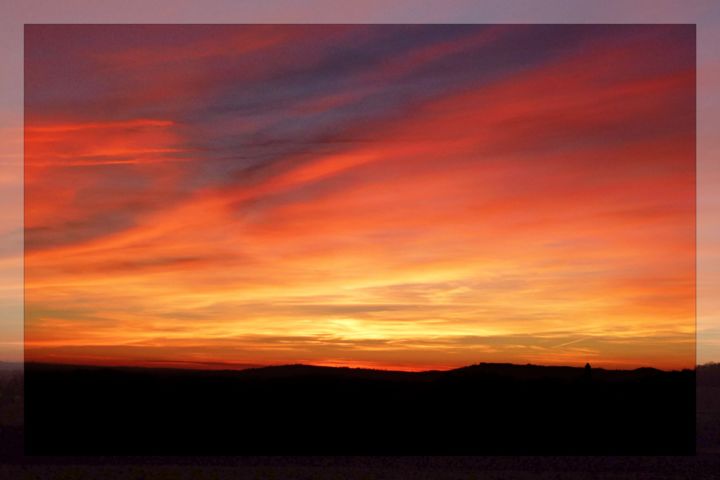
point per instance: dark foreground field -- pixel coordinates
(299, 410)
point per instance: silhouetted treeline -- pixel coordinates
(303, 410)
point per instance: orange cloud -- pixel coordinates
(546, 216)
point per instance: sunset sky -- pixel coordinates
(420, 196)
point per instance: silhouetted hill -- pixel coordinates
(708, 375)
(303, 410)
(708, 408)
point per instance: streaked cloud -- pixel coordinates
(399, 196)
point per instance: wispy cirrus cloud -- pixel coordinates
(405, 196)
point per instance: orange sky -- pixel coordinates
(394, 197)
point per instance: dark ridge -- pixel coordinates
(708, 375)
(708, 408)
(483, 409)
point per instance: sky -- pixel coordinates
(412, 197)
(704, 14)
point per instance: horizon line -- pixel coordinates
(227, 367)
